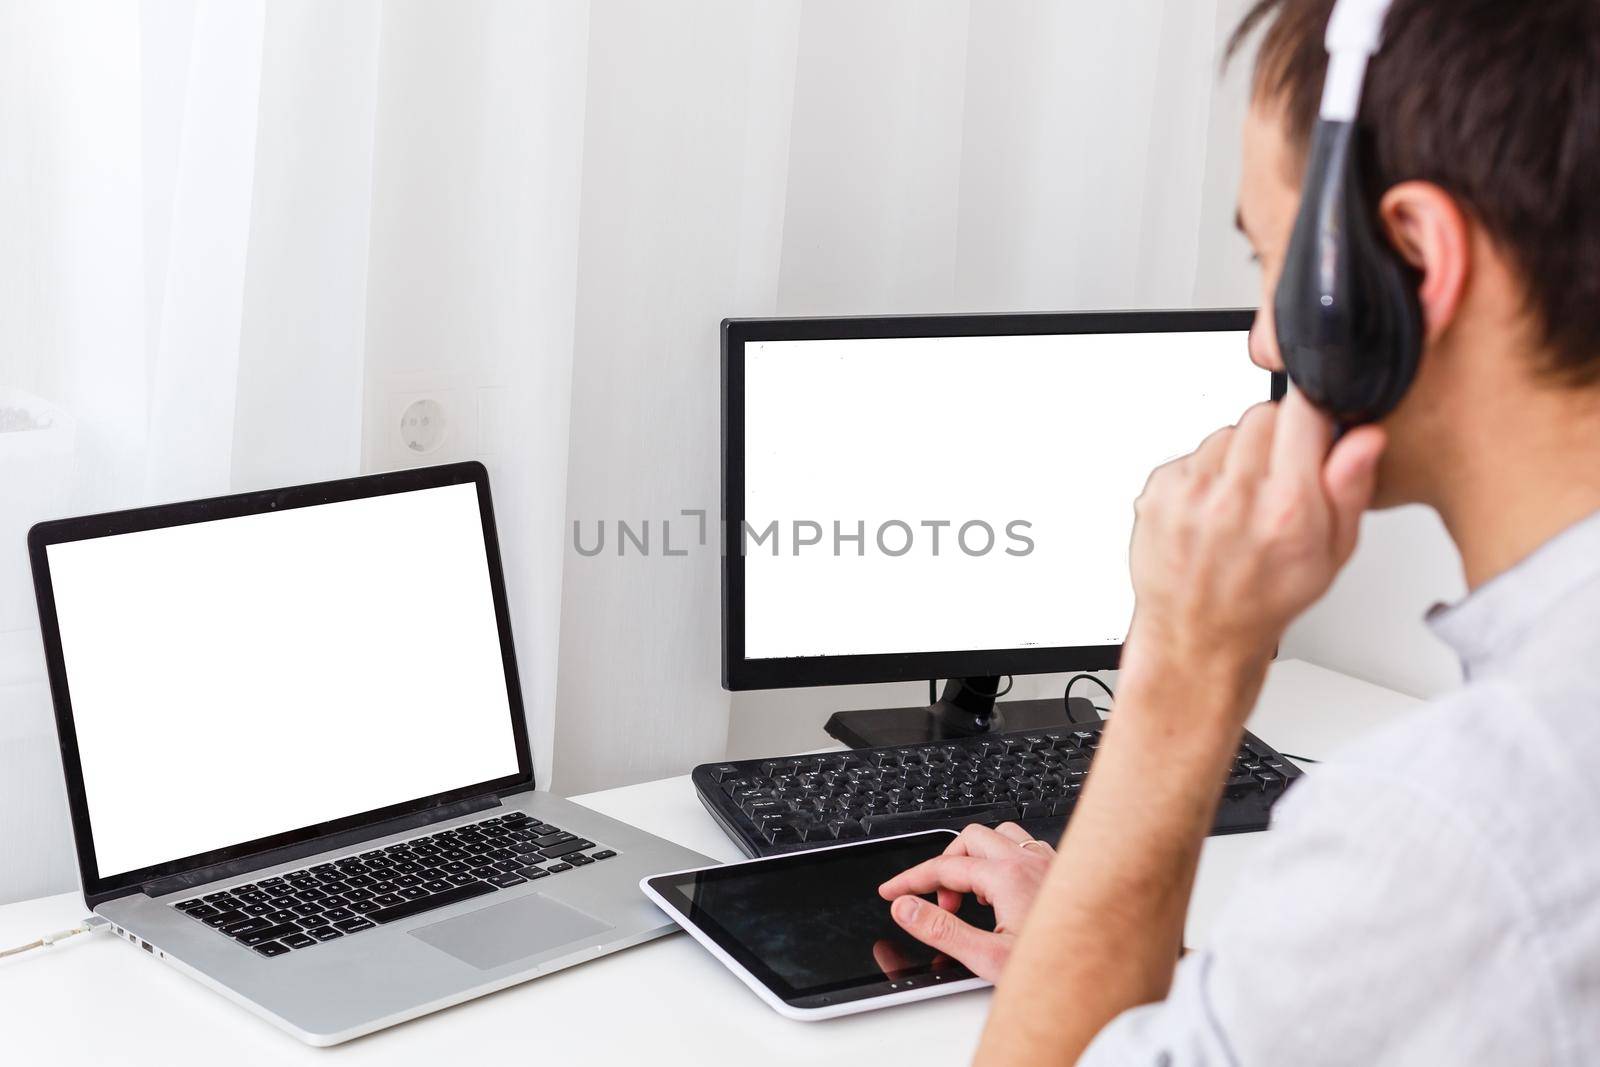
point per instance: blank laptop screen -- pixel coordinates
(244, 677)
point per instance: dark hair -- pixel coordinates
(1495, 101)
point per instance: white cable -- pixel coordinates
(93, 922)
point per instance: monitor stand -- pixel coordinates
(966, 708)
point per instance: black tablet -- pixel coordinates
(808, 931)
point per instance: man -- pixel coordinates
(1433, 896)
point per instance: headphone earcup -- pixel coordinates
(1348, 318)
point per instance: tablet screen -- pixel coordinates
(812, 923)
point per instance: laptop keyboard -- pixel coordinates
(299, 909)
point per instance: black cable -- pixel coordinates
(1066, 698)
(1066, 695)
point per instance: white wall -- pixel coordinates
(1370, 623)
(682, 155)
(473, 263)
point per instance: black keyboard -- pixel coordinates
(1033, 778)
(299, 909)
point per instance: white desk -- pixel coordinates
(95, 1000)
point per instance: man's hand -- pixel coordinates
(992, 864)
(1235, 540)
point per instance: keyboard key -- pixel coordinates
(247, 926)
(574, 845)
(505, 880)
(189, 905)
(412, 892)
(271, 933)
(333, 915)
(204, 911)
(351, 925)
(299, 940)
(271, 948)
(362, 907)
(223, 918)
(603, 854)
(283, 915)
(578, 859)
(408, 908)
(1239, 784)
(324, 933)
(557, 868)
(530, 873)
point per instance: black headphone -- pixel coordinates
(1349, 321)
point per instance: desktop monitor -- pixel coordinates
(951, 497)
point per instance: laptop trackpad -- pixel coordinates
(528, 926)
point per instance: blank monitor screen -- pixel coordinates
(244, 677)
(933, 494)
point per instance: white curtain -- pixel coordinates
(238, 239)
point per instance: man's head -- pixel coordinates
(1480, 125)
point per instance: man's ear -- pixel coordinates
(1431, 232)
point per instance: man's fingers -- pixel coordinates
(986, 842)
(1206, 461)
(1252, 444)
(958, 873)
(1012, 832)
(1300, 439)
(982, 952)
(1348, 480)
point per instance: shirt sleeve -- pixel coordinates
(1376, 926)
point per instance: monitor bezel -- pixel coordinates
(97, 887)
(741, 673)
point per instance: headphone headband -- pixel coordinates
(1355, 33)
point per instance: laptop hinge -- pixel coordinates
(172, 883)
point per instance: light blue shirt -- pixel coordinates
(1432, 895)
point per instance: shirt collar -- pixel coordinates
(1492, 620)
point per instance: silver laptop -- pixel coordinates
(296, 756)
